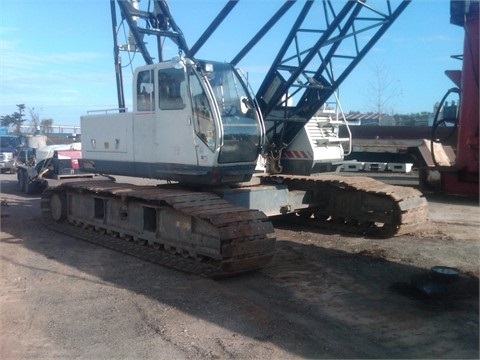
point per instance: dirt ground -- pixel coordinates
(325, 295)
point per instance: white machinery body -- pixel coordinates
(188, 125)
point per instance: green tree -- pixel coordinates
(16, 119)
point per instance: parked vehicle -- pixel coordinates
(9, 146)
(49, 162)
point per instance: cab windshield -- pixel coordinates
(241, 126)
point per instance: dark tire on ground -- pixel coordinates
(20, 182)
(27, 187)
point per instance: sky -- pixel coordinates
(56, 56)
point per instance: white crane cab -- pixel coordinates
(192, 121)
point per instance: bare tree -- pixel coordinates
(382, 92)
(34, 119)
(46, 126)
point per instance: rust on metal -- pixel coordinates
(195, 232)
(361, 205)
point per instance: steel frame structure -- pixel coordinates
(315, 58)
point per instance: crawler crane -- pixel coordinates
(196, 125)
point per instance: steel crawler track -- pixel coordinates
(194, 232)
(358, 204)
(200, 233)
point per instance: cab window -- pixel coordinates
(145, 91)
(172, 89)
(202, 113)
